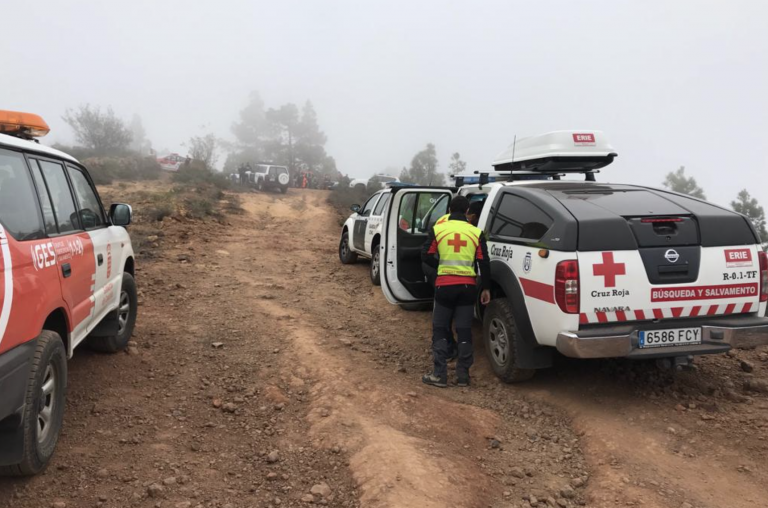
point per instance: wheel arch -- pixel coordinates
(504, 284)
(130, 266)
(57, 321)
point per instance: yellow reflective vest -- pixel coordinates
(442, 219)
(457, 244)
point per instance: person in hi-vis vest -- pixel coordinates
(454, 247)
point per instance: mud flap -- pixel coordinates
(109, 326)
(14, 376)
(530, 355)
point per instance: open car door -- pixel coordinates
(412, 212)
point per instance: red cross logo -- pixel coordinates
(609, 269)
(457, 243)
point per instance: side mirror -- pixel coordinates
(355, 208)
(120, 214)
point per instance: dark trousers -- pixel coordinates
(455, 303)
(431, 275)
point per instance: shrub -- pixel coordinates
(342, 198)
(196, 173)
(104, 170)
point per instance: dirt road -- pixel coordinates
(265, 373)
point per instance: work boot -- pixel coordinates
(431, 379)
(462, 381)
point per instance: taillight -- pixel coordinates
(763, 257)
(567, 286)
(665, 219)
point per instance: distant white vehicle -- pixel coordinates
(362, 183)
(171, 162)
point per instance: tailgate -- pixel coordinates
(657, 283)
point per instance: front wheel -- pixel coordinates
(126, 319)
(502, 341)
(346, 255)
(376, 266)
(43, 405)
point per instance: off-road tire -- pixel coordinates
(360, 187)
(502, 341)
(49, 352)
(260, 185)
(118, 342)
(346, 255)
(283, 189)
(375, 270)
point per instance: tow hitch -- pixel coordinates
(677, 363)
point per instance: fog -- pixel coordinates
(671, 83)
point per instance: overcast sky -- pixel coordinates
(670, 82)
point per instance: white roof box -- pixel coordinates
(578, 151)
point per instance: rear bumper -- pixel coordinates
(718, 336)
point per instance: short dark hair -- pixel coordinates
(459, 204)
(475, 207)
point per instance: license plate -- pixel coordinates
(674, 337)
(271, 178)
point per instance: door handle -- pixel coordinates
(66, 270)
(100, 259)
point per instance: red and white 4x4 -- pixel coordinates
(66, 275)
(592, 270)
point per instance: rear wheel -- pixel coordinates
(375, 266)
(502, 341)
(126, 319)
(260, 185)
(360, 187)
(346, 255)
(283, 189)
(43, 405)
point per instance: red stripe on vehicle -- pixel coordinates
(583, 319)
(677, 311)
(730, 308)
(639, 315)
(538, 290)
(602, 317)
(712, 310)
(695, 310)
(747, 308)
(658, 314)
(621, 315)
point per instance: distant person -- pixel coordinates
(241, 171)
(474, 211)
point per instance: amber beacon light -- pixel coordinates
(23, 124)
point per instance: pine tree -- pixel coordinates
(747, 205)
(456, 166)
(678, 182)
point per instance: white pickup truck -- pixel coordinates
(588, 269)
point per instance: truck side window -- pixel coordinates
(368, 206)
(381, 204)
(45, 199)
(420, 211)
(519, 218)
(18, 206)
(63, 204)
(91, 213)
